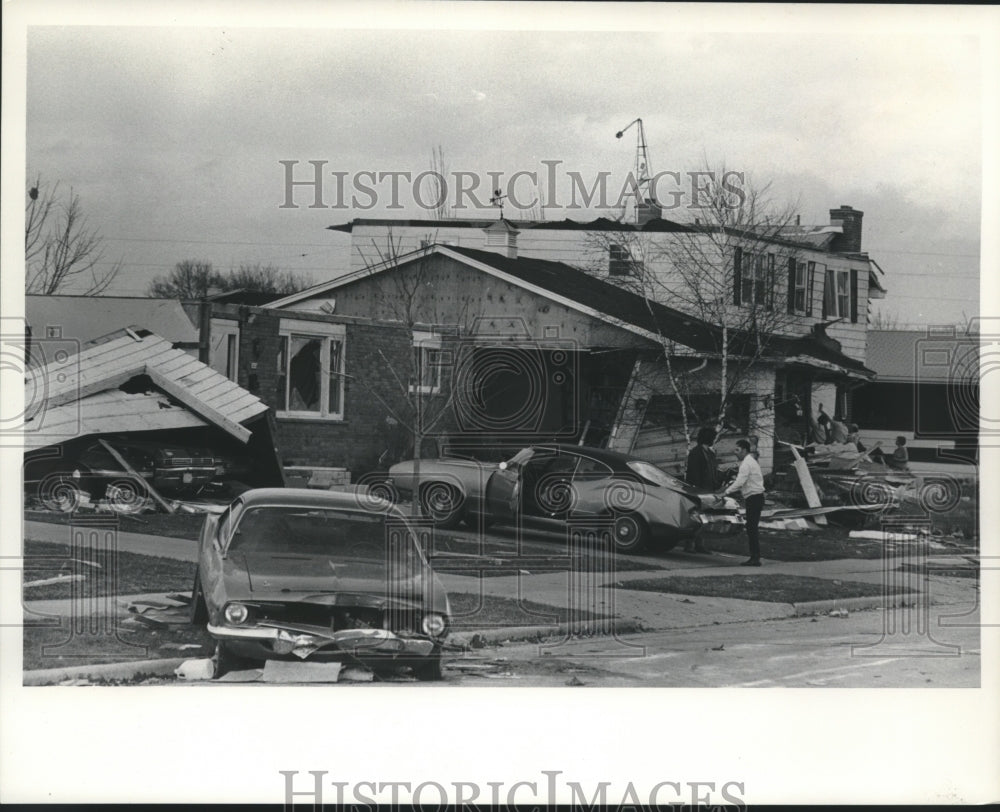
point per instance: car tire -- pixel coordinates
(199, 609)
(430, 671)
(226, 660)
(629, 533)
(60, 492)
(442, 503)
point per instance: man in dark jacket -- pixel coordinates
(703, 474)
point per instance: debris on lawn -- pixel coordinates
(250, 675)
(881, 535)
(838, 613)
(195, 670)
(574, 681)
(357, 675)
(284, 671)
(180, 597)
(181, 646)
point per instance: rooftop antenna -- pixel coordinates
(497, 200)
(643, 171)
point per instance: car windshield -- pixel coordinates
(651, 473)
(345, 534)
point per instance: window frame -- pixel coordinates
(230, 328)
(837, 293)
(328, 334)
(621, 262)
(426, 356)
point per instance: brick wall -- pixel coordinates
(377, 360)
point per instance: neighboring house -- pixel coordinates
(927, 390)
(817, 276)
(539, 349)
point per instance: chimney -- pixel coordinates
(501, 234)
(850, 220)
(648, 210)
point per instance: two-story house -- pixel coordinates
(782, 328)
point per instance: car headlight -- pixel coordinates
(434, 624)
(236, 613)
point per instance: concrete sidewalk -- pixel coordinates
(590, 592)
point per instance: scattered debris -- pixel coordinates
(838, 613)
(151, 622)
(181, 646)
(284, 671)
(574, 681)
(192, 670)
(180, 597)
(880, 535)
(250, 675)
(58, 579)
(357, 675)
(721, 647)
(74, 682)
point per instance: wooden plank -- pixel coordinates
(121, 461)
(200, 408)
(808, 486)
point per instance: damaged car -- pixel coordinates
(321, 576)
(551, 484)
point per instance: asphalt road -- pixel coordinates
(863, 650)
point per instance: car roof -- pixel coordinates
(311, 497)
(613, 458)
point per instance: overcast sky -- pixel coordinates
(172, 137)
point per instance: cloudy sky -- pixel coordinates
(173, 136)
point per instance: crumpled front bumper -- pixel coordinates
(283, 641)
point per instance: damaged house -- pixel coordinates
(603, 351)
(129, 417)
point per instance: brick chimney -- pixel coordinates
(850, 220)
(501, 234)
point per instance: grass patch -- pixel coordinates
(172, 525)
(488, 567)
(825, 544)
(122, 645)
(134, 573)
(773, 588)
(472, 611)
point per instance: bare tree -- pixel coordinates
(196, 279)
(726, 269)
(61, 250)
(883, 320)
(190, 279)
(263, 279)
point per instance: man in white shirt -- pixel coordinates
(750, 483)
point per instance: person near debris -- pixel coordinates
(898, 461)
(822, 427)
(750, 483)
(854, 436)
(838, 431)
(703, 474)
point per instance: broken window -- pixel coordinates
(310, 371)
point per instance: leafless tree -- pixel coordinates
(190, 279)
(61, 250)
(264, 279)
(883, 320)
(726, 268)
(196, 279)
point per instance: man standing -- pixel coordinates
(703, 474)
(750, 483)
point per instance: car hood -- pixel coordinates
(280, 576)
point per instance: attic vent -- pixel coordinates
(496, 239)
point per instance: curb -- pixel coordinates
(512, 634)
(109, 671)
(856, 604)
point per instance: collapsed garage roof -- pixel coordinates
(81, 394)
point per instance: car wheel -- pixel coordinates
(125, 495)
(429, 671)
(226, 660)
(199, 609)
(629, 533)
(60, 492)
(442, 504)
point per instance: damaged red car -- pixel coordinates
(320, 576)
